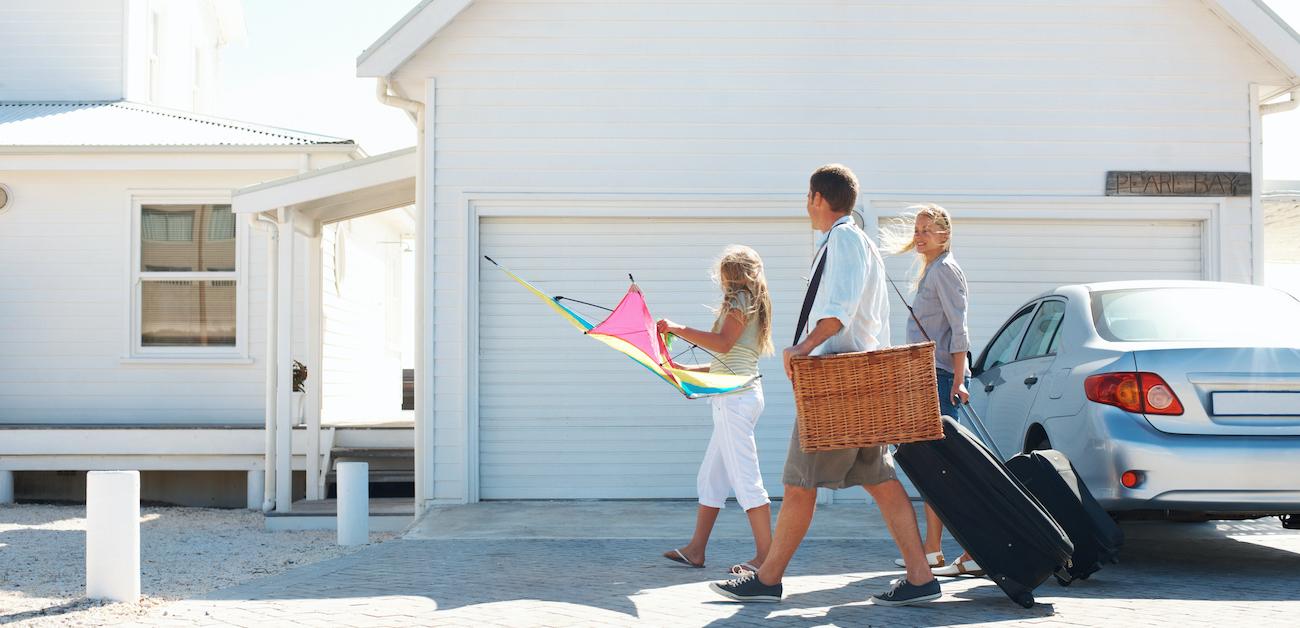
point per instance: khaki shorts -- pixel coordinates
(840, 468)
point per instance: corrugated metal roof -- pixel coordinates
(125, 123)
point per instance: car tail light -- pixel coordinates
(1131, 479)
(1142, 393)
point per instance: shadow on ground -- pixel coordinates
(624, 575)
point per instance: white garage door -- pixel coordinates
(563, 416)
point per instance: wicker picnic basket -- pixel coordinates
(867, 398)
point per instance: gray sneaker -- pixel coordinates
(901, 593)
(746, 587)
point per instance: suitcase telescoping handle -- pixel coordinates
(978, 426)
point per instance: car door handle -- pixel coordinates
(1031, 380)
(988, 387)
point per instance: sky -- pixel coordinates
(297, 69)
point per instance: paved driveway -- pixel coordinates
(519, 565)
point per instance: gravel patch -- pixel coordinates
(185, 552)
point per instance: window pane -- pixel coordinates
(1041, 330)
(187, 238)
(1234, 315)
(1003, 348)
(187, 313)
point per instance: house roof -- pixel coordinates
(125, 123)
(1267, 32)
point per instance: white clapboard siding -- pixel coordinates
(65, 246)
(923, 98)
(563, 416)
(61, 50)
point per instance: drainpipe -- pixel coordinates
(423, 398)
(271, 228)
(383, 91)
(1286, 105)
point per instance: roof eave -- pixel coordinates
(348, 147)
(1267, 33)
(417, 28)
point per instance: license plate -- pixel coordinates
(1256, 403)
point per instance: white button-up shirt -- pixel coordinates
(852, 290)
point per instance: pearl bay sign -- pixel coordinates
(1152, 183)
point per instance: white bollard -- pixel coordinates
(256, 489)
(113, 535)
(6, 487)
(353, 503)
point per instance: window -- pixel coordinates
(1003, 348)
(187, 281)
(1239, 315)
(1038, 342)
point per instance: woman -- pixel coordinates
(941, 306)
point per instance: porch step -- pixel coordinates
(387, 464)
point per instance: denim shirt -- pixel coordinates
(941, 305)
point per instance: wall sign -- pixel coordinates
(1153, 183)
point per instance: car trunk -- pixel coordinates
(1228, 391)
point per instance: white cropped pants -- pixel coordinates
(731, 461)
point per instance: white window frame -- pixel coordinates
(135, 351)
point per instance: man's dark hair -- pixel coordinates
(837, 184)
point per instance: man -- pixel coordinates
(849, 313)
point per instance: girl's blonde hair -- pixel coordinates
(740, 269)
(899, 236)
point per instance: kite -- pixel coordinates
(630, 330)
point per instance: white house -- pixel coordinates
(578, 143)
(135, 326)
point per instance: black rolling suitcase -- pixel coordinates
(988, 511)
(1049, 475)
(1051, 478)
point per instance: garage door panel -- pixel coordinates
(556, 409)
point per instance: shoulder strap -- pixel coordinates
(811, 294)
(909, 308)
(808, 297)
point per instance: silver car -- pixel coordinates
(1172, 398)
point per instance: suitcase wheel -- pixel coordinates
(1063, 582)
(1025, 599)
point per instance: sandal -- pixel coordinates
(743, 568)
(935, 559)
(960, 568)
(678, 557)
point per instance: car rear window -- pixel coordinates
(1247, 316)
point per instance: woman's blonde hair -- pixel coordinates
(899, 236)
(740, 269)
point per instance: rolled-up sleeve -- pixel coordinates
(951, 287)
(843, 281)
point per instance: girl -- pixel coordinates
(941, 307)
(741, 333)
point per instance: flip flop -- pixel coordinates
(678, 557)
(742, 568)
